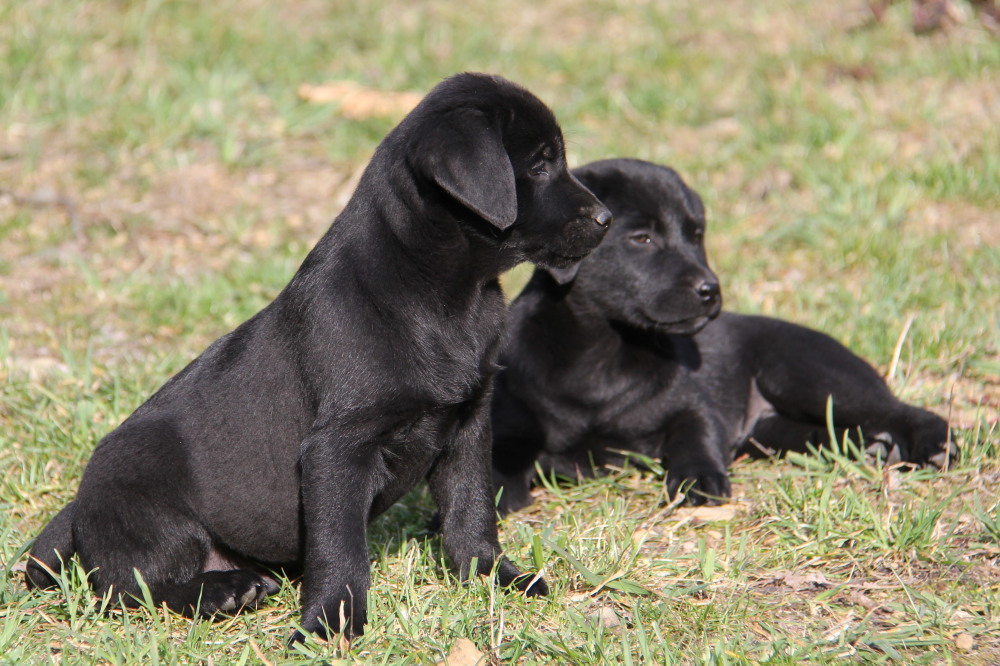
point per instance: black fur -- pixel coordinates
(623, 353)
(370, 371)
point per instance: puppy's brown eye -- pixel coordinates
(641, 239)
(698, 235)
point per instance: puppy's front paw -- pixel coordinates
(509, 575)
(704, 485)
(531, 586)
(342, 614)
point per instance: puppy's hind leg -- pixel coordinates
(917, 436)
(925, 437)
(134, 517)
(53, 547)
(800, 369)
(773, 434)
(161, 543)
(217, 592)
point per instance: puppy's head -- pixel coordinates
(497, 151)
(650, 271)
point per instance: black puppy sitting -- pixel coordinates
(618, 353)
(370, 371)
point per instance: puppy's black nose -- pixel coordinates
(603, 219)
(708, 291)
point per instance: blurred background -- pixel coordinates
(164, 166)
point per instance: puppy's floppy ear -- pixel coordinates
(566, 275)
(465, 155)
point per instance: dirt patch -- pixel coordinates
(71, 244)
(970, 226)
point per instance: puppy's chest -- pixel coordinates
(618, 399)
(453, 362)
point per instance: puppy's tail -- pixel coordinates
(52, 548)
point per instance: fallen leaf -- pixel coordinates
(640, 535)
(357, 101)
(725, 128)
(809, 581)
(860, 599)
(606, 617)
(37, 368)
(712, 513)
(463, 653)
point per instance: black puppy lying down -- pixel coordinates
(370, 371)
(618, 353)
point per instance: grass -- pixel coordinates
(160, 180)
